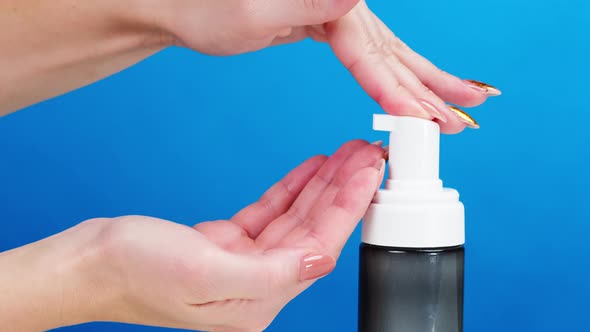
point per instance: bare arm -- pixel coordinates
(45, 284)
(226, 275)
(52, 47)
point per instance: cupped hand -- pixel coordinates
(236, 274)
(400, 80)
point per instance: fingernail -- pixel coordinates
(464, 117)
(386, 153)
(381, 167)
(316, 266)
(432, 110)
(377, 143)
(483, 87)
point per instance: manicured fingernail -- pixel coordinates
(380, 165)
(386, 153)
(464, 117)
(483, 87)
(433, 111)
(316, 266)
(377, 143)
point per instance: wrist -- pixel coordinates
(91, 284)
(53, 283)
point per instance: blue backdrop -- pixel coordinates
(188, 138)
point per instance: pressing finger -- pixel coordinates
(356, 41)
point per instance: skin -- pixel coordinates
(51, 57)
(226, 275)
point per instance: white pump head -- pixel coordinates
(414, 210)
(413, 150)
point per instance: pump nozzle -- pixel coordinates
(413, 147)
(414, 210)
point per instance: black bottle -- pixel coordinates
(410, 290)
(412, 256)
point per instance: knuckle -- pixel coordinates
(319, 8)
(385, 48)
(395, 105)
(324, 177)
(427, 91)
(267, 201)
(373, 48)
(397, 43)
(312, 4)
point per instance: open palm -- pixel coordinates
(316, 206)
(238, 274)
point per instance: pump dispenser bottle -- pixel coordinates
(412, 256)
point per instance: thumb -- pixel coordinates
(293, 267)
(260, 275)
(293, 13)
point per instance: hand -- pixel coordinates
(240, 273)
(82, 42)
(222, 275)
(400, 80)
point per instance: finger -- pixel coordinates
(448, 121)
(449, 87)
(365, 157)
(356, 42)
(334, 226)
(277, 200)
(261, 275)
(289, 13)
(280, 227)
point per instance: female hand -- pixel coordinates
(74, 43)
(223, 275)
(399, 79)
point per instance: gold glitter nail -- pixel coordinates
(484, 87)
(464, 117)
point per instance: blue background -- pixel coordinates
(188, 138)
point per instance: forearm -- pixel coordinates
(50, 283)
(50, 47)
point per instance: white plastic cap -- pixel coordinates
(414, 210)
